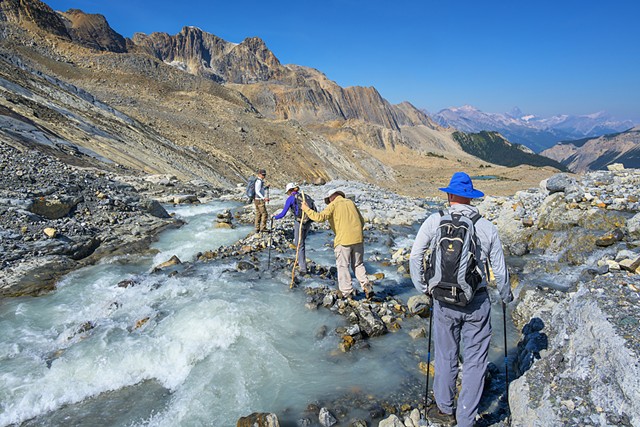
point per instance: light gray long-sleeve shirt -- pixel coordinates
(489, 242)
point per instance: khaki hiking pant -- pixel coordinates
(350, 255)
(261, 215)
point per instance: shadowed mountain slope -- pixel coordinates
(597, 153)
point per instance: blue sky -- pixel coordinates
(546, 57)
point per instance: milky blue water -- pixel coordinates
(202, 348)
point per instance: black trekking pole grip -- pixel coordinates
(506, 366)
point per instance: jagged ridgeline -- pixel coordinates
(198, 107)
(494, 148)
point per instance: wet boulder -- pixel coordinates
(174, 260)
(245, 266)
(83, 247)
(326, 418)
(371, 325)
(259, 419)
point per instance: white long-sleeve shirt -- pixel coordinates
(259, 188)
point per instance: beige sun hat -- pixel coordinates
(330, 193)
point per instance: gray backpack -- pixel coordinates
(452, 269)
(250, 192)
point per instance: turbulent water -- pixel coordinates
(204, 347)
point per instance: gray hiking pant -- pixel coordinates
(302, 255)
(472, 324)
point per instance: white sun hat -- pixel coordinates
(291, 186)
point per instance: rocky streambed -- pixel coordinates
(56, 217)
(572, 242)
(574, 251)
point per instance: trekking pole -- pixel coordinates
(506, 367)
(426, 390)
(270, 241)
(293, 269)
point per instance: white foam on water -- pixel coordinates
(199, 234)
(224, 343)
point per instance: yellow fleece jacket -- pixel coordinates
(344, 218)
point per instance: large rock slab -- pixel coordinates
(589, 372)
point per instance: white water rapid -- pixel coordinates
(204, 347)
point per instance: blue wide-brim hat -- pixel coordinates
(461, 185)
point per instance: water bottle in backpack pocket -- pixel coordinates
(452, 268)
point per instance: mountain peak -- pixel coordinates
(535, 132)
(515, 113)
(93, 31)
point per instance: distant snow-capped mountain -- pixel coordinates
(537, 133)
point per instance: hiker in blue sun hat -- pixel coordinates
(461, 185)
(459, 245)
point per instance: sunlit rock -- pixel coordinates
(53, 208)
(259, 419)
(174, 260)
(326, 418)
(391, 421)
(419, 305)
(50, 232)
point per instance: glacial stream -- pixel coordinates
(201, 348)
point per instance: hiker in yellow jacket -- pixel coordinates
(347, 223)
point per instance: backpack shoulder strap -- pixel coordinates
(475, 217)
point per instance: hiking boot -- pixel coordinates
(344, 296)
(435, 415)
(368, 290)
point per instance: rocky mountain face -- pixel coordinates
(590, 154)
(278, 91)
(33, 14)
(93, 31)
(195, 106)
(537, 133)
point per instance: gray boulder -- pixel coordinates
(370, 323)
(559, 183)
(391, 421)
(53, 208)
(326, 418)
(154, 208)
(419, 305)
(633, 226)
(261, 419)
